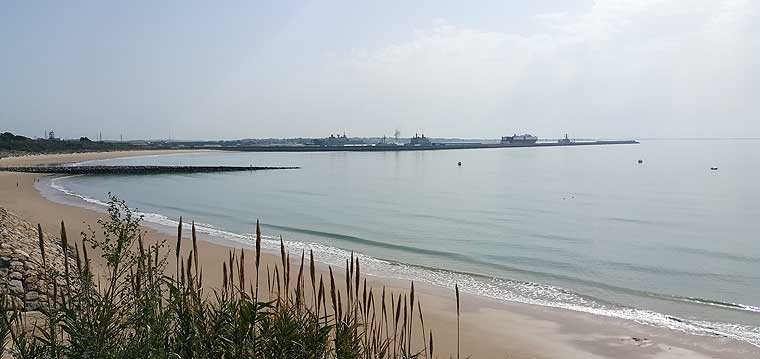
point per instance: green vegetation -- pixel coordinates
(11, 144)
(134, 309)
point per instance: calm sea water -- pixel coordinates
(667, 242)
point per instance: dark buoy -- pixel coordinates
(459, 164)
(641, 161)
(713, 168)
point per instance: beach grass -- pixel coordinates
(136, 307)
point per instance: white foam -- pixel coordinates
(54, 184)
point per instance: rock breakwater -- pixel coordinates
(25, 284)
(123, 170)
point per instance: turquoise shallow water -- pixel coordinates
(667, 242)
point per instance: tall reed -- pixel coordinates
(131, 307)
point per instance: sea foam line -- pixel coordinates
(494, 288)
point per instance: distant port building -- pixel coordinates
(565, 141)
(333, 140)
(525, 139)
(419, 141)
(384, 143)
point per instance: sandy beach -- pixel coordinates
(489, 328)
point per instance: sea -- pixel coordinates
(668, 241)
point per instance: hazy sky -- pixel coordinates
(208, 70)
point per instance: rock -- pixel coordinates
(30, 306)
(31, 278)
(16, 275)
(21, 253)
(15, 286)
(17, 266)
(32, 296)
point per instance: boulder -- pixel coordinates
(15, 275)
(32, 296)
(15, 286)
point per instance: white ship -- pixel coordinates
(525, 139)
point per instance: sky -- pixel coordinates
(471, 69)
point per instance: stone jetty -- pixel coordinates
(135, 170)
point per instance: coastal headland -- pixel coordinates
(490, 328)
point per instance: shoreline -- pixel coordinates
(490, 328)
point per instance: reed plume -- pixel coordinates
(42, 244)
(141, 311)
(456, 290)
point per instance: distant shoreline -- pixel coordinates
(399, 148)
(179, 147)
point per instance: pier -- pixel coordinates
(135, 170)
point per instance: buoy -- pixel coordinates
(714, 168)
(641, 161)
(460, 163)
